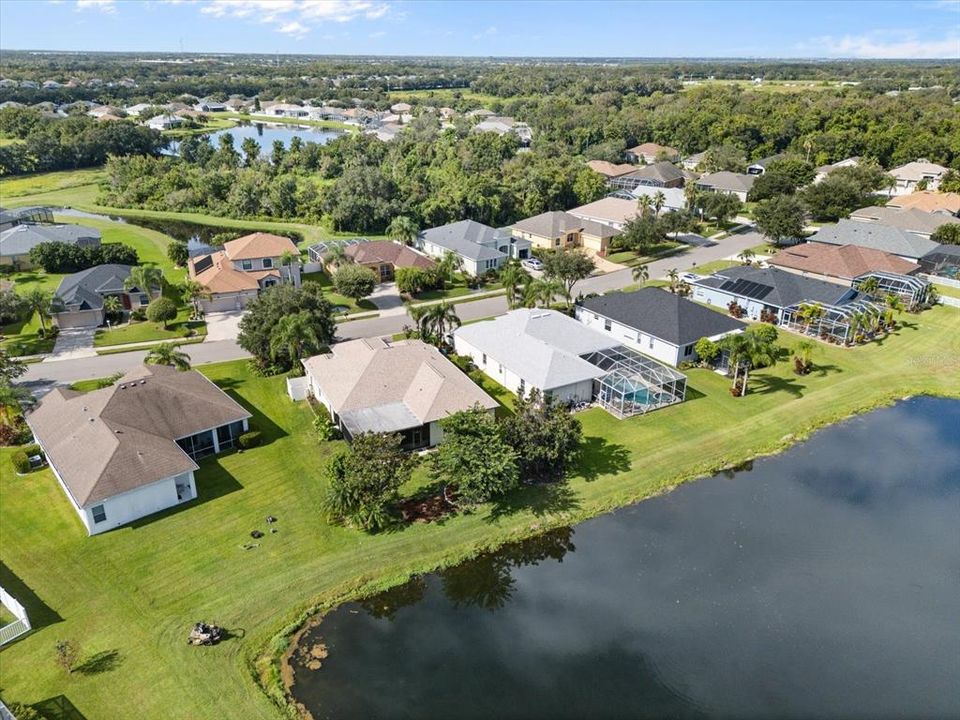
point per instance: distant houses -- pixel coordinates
(839, 263)
(910, 220)
(651, 152)
(559, 230)
(875, 236)
(727, 183)
(908, 177)
(928, 201)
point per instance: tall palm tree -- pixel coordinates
(112, 306)
(659, 200)
(640, 273)
(870, 286)
(294, 337)
(168, 354)
(403, 229)
(144, 278)
(193, 293)
(674, 277)
(449, 265)
(803, 356)
(435, 321)
(39, 301)
(643, 204)
(515, 280)
(690, 194)
(287, 259)
(542, 291)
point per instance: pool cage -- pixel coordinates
(634, 383)
(912, 290)
(318, 251)
(836, 324)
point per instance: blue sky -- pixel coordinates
(908, 28)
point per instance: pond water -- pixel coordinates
(267, 133)
(822, 582)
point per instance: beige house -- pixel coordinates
(652, 152)
(235, 275)
(908, 176)
(931, 202)
(559, 230)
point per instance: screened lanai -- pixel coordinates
(838, 323)
(634, 383)
(912, 290)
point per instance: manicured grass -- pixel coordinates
(21, 338)
(352, 306)
(117, 349)
(213, 123)
(133, 593)
(455, 289)
(712, 267)
(947, 290)
(135, 332)
(630, 258)
(92, 384)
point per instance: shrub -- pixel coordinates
(139, 315)
(707, 350)
(324, 426)
(354, 281)
(735, 309)
(249, 440)
(32, 449)
(21, 463)
(161, 310)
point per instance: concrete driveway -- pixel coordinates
(73, 343)
(387, 299)
(223, 325)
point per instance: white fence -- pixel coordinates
(950, 301)
(22, 624)
(938, 280)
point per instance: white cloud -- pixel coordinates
(885, 45)
(104, 6)
(489, 32)
(294, 28)
(296, 17)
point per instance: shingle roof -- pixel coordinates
(122, 437)
(387, 252)
(19, 239)
(661, 171)
(550, 224)
(876, 236)
(609, 169)
(928, 201)
(220, 276)
(258, 245)
(673, 196)
(774, 286)
(918, 170)
(651, 148)
(541, 346)
(87, 287)
(464, 238)
(725, 180)
(386, 387)
(664, 315)
(840, 261)
(911, 219)
(608, 209)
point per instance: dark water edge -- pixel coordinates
(820, 583)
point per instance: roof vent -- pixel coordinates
(123, 387)
(143, 382)
(92, 419)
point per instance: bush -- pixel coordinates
(32, 449)
(354, 281)
(161, 310)
(736, 309)
(139, 315)
(324, 426)
(249, 440)
(21, 463)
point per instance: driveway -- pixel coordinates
(223, 325)
(387, 299)
(73, 343)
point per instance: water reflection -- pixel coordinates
(822, 583)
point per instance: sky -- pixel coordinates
(598, 28)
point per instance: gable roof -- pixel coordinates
(909, 219)
(663, 315)
(259, 245)
(378, 386)
(876, 236)
(550, 224)
(609, 210)
(840, 261)
(220, 276)
(652, 148)
(465, 238)
(110, 441)
(543, 347)
(928, 201)
(726, 180)
(87, 287)
(773, 286)
(395, 254)
(20, 239)
(609, 169)
(663, 171)
(918, 170)
(673, 196)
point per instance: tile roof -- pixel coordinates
(909, 219)
(664, 315)
(396, 254)
(774, 286)
(259, 245)
(87, 287)
(928, 201)
(840, 261)
(110, 441)
(464, 238)
(19, 239)
(874, 235)
(378, 386)
(543, 347)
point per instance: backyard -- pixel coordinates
(129, 597)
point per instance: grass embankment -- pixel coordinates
(130, 595)
(212, 124)
(630, 258)
(351, 306)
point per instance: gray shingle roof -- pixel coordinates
(663, 171)
(664, 315)
(910, 219)
(725, 180)
(464, 238)
(550, 224)
(87, 287)
(773, 286)
(20, 239)
(876, 236)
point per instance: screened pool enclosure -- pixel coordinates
(841, 324)
(912, 290)
(634, 383)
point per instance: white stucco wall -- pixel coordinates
(721, 299)
(135, 504)
(641, 342)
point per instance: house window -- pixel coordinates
(523, 386)
(144, 299)
(99, 514)
(607, 325)
(651, 341)
(556, 243)
(228, 434)
(484, 359)
(199, 445)
(246, 264)
(688, 350)
(267, 263)
(572, 239)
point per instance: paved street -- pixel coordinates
(46, 374)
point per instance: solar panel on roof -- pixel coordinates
(203, 263)
(747, 288)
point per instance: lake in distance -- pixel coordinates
(819, 583)
(266, 133)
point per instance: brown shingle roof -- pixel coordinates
(609, 169)
(122, 437)
(550, 224)
(840, 261)
(258, 245)
(365, 253)
(222, 277)
(651, 148)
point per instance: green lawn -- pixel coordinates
(331, 124)
(630, 258)
(213, 123)
(352, 306)
(712, 267)
(947, 290)
(457, 288)
(21, 338)
(135, 332)
(131, 595)
(25, 185)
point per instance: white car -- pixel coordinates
(689, 277)
(532, 264)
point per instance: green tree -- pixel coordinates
(747, 256)
(435, 321)
(112, 308)
(251, 151)
(567, 267)
(640, 274)
(193, 293)
(10, 367)
(720, 206)
(950, 182)
(404, 229)
(162, 310)
(294, 338)
(754, 348)
(545, 436)
(541, 292)
(39, 301)
(336, 255)
(67, 655)
(178, 253)
(803, 356)
(641, 234)
(947, 234)
(354, 281)
(707, 350)
(514, 280)
(474, 458)
(450, 264)
(365, 480)
(780, 219)
(12, 306)
(168, 354)
(145, 279)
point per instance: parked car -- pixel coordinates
(532, 264)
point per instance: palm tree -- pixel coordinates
(640, 274)
(869, 286)
(690, 194)
(168, 354)
(803, 356)
(112, 307)
(684, 289)
(515, 280)
(894, 305)
(541, 292)
(747, 256)
(674, 277)
(144, 278)
(403, 229)
(643, 204)
(39, 301)
(854, 322)
(294, 337)
(659, 200)
(336, 255)
(746, 351)
(13, 397)
(193, 293)
(435, 321)
(287, 259)
(449, 265)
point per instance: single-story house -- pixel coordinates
(928, 201)
(655, 322)
(401, 107)
(824, 170)
(760, 166)
(235, 275)
(839, 263)
(872, 235)
(911, 220)
(164, 122)
(555, 229)
(137, 110)
(692, 162)
(385, 257)
(660, 174)
(673, 198)
(480, 247)
(131, 449)
(502, 125)
(766, 290)
(728, 183)
(209, 106)
(651, 152)
(406, 387)
(565, 359)
(17, 241)
(612, 211)
(610, 170)
(943, 260)
(79, 296)
(908, 176)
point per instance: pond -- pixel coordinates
(267, 133)
(821, 582)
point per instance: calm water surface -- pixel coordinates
(821, 583)
(266, 133)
